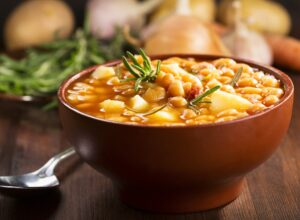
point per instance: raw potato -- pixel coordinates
(222, 100)
(202, 9)
(265, 16)
(35, 22)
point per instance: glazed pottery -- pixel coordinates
(181, 168)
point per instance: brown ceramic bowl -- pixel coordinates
(181, 168)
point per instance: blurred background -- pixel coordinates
(45, 34)
(78, 7)
(7, 6)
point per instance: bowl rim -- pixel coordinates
(286, 81)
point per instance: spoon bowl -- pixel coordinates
(37, 181)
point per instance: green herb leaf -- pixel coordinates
(129, 68)
(158, 67)
(141, 73)
(199, 98)
(132, 58)
(127, 79)
(236, 77)
(151, 112)
(137, 84)
(147, 61)
(42, 70)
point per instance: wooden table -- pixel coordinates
(29, 136)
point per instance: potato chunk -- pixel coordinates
(164, 116)
(112, 106)
(223, 100)
(139, 104)
(155, 94)
(176, 88)
(103, 72)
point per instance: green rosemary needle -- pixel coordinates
(199, 99)
(141, 73)
(236, 77)
(151, 112)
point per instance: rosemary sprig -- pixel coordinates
(141, 73)
(199, 99)
(151, 112)
(236, 77)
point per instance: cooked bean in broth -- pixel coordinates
(174, 91)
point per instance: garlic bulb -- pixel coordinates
(105, 16)
(245, 43)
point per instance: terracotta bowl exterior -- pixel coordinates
(181, 168)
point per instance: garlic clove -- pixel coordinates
(245, 43)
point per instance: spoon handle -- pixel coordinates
(48, 168)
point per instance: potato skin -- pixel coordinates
(263, 15)
(35, 22)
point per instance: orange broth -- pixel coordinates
(168, 98)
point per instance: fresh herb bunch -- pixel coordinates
(199, 99)
(43, 69)
(141, 73)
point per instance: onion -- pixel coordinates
(182, 33)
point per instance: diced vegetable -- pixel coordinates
(138, 104)
(112, 106)
(155, 94)
(176, 88)
(103, 72)
(222, 100)
(163, 116)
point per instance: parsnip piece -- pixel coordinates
(222, 100)
(103, 72)
(139, 104)
(112, 106)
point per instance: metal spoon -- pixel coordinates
(41, 179)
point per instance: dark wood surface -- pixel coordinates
(30, 136)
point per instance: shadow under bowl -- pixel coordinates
(176, 169)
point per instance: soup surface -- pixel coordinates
(174, 91)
